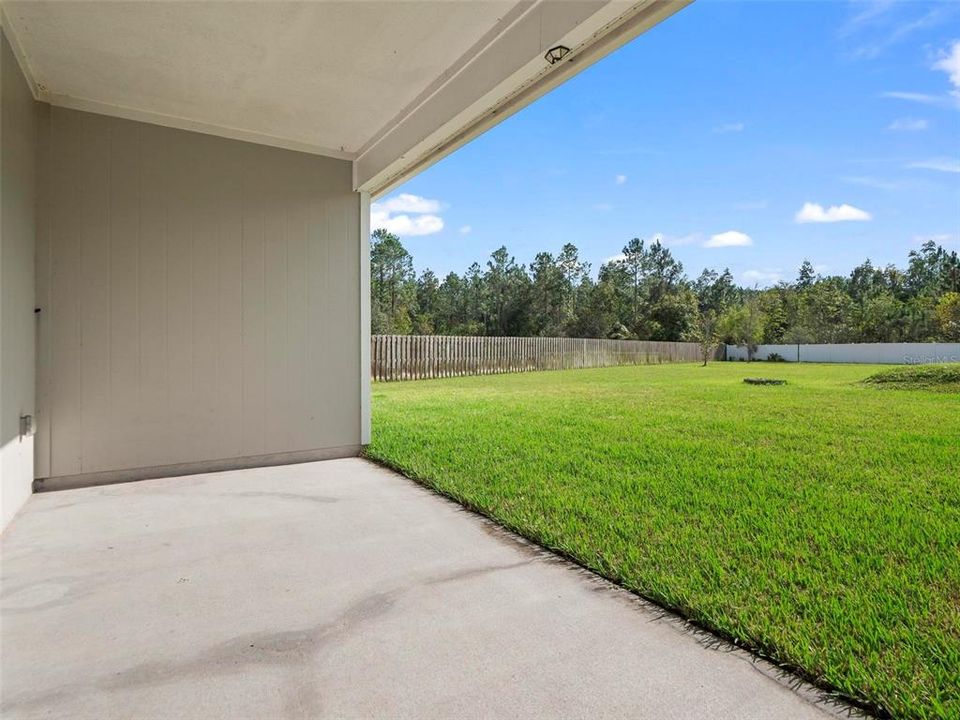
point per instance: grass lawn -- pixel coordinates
(817, 522)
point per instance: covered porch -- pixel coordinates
(336, 589)
(186, 192)
(185, 302)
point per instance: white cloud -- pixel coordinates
(908, 124)
(884, 30)
(815, 213)
(767, 276)
(872, 182)
(620, 179)
(949, 62)
(872, 9)
(406, 225)
(407, 215)
(407, 203)
(941, 164)
(465, 230)
(729, 128)
(922, 98)
(730, 238)
(615, 258)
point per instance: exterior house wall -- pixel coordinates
(878, 353)
(201, 302)
(18, 140)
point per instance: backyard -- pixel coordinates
(816, 522)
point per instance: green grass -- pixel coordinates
(944, 378)
(816, 522)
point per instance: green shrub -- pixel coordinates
(944, 377)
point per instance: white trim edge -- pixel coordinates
(365, 381)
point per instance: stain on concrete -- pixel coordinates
(53, 591)
(470, 573)
(293, 650)
(39, 509)
(287, 649)
(35, 595)
(321, 499)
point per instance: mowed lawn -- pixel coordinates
(817, 522)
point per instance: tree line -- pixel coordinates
(644, 294)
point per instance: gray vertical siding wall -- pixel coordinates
(201, 301)
(18, 140)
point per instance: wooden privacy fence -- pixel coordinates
(416, 357)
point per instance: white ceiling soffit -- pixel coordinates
(392, 85)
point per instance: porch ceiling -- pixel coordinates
(390, 85)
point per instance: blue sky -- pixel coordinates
(748, 135)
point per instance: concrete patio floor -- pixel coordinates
(334, 589)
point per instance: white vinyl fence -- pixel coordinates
(879, 353)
